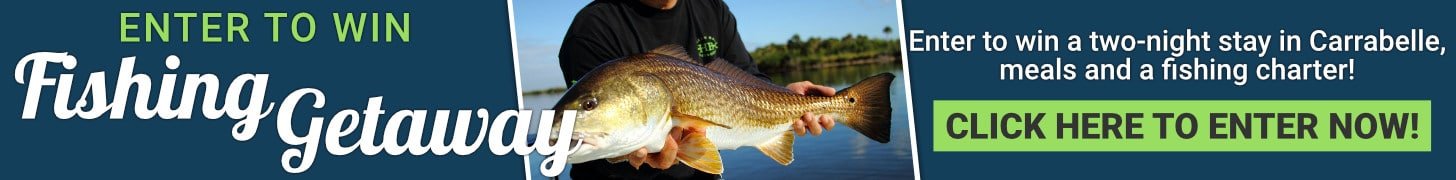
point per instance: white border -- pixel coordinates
(904, 70)
(516, 61)
(909, 100)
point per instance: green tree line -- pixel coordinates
(798, 52)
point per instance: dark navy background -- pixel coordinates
(458, 58)
(943, 75)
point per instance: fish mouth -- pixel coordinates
(586, 146)
(586, 139)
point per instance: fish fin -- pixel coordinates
(675, 51)
(688, 120)
(779, 149)
(869, 111)
(700, 153)
(722, 66)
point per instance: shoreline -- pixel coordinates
(878, 59)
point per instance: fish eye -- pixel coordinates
(589, 104)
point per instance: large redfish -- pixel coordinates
(631, 103)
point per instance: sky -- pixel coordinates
(540, 25)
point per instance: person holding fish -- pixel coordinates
(608, 30)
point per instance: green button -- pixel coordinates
(1182, 125)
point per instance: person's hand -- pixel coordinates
(810, 122)
(662, 159)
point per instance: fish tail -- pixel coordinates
(869, 106)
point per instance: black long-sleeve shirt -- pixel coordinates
(610, 29)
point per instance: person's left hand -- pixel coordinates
(664, 158)
(810, 122)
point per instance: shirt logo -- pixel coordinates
(707, 47)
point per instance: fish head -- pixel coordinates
(617, 113)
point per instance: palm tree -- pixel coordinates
(887, 32)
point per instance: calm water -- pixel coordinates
(838, 154)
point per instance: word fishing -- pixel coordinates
(244, 101)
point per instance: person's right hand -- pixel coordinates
(811, 123)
